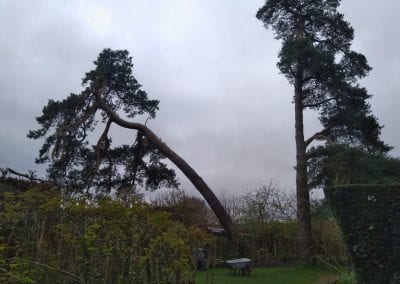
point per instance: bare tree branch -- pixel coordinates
(30, 176)
(321, 135)
(318, 103)
(102, 144)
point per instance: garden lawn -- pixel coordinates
(293, 275)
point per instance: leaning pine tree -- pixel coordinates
(317, 59)
(111, 97)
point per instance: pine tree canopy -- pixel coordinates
(316, 58)
(74, 160)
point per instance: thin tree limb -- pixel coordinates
(7, 170)
(319, 103)
(321, 135)
(102, 144)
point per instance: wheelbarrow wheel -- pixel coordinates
(246, 270)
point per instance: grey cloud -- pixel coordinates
(224, 106)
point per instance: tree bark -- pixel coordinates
(302, 193)
(187, 170)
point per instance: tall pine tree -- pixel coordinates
(316, 58)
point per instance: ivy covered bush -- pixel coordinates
(369, 216)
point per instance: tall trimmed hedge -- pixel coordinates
(369, 216)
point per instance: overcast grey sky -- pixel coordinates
(224, 106)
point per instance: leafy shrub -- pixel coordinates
(46, 237)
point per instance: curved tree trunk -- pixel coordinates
(187, 170)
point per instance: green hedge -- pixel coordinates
(369, 216)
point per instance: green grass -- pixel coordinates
(293, 275)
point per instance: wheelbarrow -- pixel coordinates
(240, 265)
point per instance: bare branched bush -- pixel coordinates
(269, 203)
